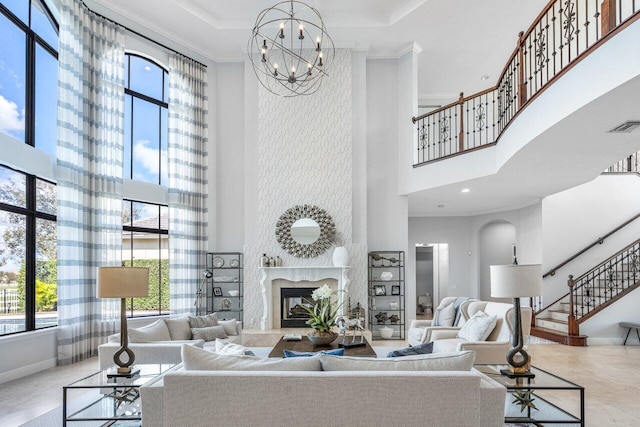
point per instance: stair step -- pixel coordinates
(559, 315)
(561, 326)
(559, 337)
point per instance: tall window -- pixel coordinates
(146, 114)
(145, 244)
(28, 73)
(28, 269)
(145, 225)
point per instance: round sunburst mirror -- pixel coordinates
(305, 231)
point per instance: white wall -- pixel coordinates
(495, 248)
(227, 160)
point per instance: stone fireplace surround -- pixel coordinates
(275, 278)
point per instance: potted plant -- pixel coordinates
(322, 311)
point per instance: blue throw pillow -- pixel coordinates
(410, 351)
(291, 353)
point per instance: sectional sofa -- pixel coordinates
(427, 390)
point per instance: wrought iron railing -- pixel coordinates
(563, 33)
(605, 283)
(628, 164)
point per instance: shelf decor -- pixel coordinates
(223, 281)
(386, 284)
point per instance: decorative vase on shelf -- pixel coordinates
(322, 338)
(340, 257)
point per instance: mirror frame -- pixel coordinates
(320, 216)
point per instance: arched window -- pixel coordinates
(145, 225)
(146, 114)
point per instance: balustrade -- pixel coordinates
(562, 34)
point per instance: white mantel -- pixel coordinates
(299, 274)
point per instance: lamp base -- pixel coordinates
(120, 372)
(509, 373)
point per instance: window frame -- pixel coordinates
(158, 102)
(31, 214)
(147, 230)
(31, 39)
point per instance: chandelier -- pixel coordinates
(290, 49)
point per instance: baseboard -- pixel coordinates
(27, 370)
(611, 341)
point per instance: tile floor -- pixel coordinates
(609, 374)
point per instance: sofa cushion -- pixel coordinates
(210, 333)
(456, 361)
(292, 353)
(230, 326)
(226, 347)
(203, 321)
(179, 328)
(445, 316)
(156, 331)
(426, 348)
(478, 328)
(197, 359)
(448, 345)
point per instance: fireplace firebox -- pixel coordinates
(293, 316)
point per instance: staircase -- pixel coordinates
(589, 294)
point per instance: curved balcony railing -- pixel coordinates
(563, 33)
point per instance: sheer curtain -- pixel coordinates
(89, 173)
(187, 155)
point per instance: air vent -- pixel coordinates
(626, 127)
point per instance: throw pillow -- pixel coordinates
(454, 361)
(444, 316)
(179, 328)
(292, 353)
(197, 359)
(156, 331)
(226, 347)
(478, 328)
(229, 326)
(209, 333)
(426, 348)
(203, 321)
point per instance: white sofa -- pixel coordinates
(171, 334)
(324, 398)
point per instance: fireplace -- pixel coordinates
(293, 316)
(309, 278)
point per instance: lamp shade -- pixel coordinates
(515, 281)
(123, 282)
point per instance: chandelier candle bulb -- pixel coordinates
(301, 36)
(318, 44)
(282, 30)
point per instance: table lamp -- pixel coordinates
(516, 281)
(123, 283)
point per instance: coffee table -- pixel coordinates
(306, 345)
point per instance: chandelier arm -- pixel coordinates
(290, 52)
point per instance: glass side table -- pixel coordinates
(545, 399)
(99, 400)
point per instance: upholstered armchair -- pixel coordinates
(494, 348)
(447, 316)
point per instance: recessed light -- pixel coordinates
(465, 190)
(485, 77)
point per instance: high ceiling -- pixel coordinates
(462, 40)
